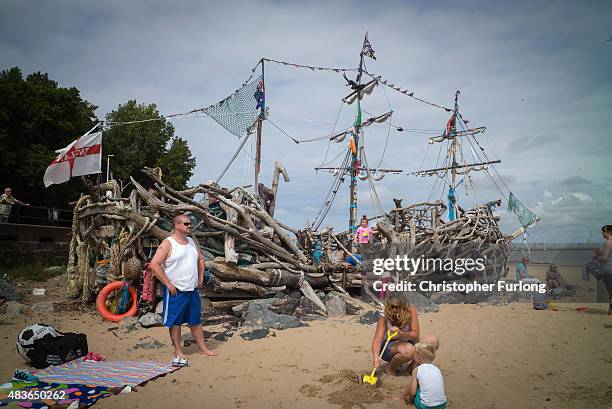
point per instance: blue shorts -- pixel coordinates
(183, 308)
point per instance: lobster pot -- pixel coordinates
(132, 269)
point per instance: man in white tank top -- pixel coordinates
(179, 265)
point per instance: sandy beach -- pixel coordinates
(508, 356)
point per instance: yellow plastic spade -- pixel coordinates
(371, 378)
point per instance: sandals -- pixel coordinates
(179, 362)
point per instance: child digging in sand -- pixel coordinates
(426, 387)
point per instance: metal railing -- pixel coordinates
(40, 216)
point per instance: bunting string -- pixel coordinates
(310, 67)
(405, 91)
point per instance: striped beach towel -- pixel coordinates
(108, 373)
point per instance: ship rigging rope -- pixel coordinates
(332, 132)
(373, 193)
(331, 194)
(388, 132)
(233, 157)
(335, 157)
(464, 126)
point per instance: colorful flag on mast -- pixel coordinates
(81, 157)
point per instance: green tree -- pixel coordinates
(37, 117)
(150, 143)
(177, 164)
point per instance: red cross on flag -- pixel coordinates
(81, 157)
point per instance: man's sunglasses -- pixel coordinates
(186, 224)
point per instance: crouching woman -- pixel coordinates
(398, 315)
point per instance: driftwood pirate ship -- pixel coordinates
(251, 254)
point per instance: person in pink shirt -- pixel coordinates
(364, 232)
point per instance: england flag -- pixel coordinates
(81, 157)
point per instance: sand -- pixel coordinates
(491, 356)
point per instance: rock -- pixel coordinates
(237, 309)
(284, 305)
(352, 308)
(150, 319)
(14, 309)
(496, 299)
(43, 308)
(297, 294)
(148, 343)
(369, 318)
(422, 303)
(476, 297)
(444, 297)
(257, 314)
(55, 270)
(255, 334)
(7, 291)
(129, 324)
(335, 304)
(312, 317)
(159, 308)
(512, 296)
(307, 307)
(220, 319)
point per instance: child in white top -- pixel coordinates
(426, 387)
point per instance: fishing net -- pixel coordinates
(525, 216)
(238, 112)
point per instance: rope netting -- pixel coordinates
(239, 112)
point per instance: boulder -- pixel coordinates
(150, 319)
(7, 291)
(307, 307)
(445, 297)
(476, 297)
(257, 314)
(369, 318)
(335, 304)
(43, 308)
(159, 308)
(285, 305)
(255, 334)
(422, 303)
(237, 309)
(352, 308)
(129, 324)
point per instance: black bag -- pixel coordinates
(57, 350)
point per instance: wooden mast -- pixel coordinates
(259, 126)
(354, 158)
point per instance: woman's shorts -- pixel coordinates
(386, 356)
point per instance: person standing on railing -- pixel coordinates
(6, 204)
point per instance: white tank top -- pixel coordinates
(181, 267)
(431, 385)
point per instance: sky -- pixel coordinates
(537, 75)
